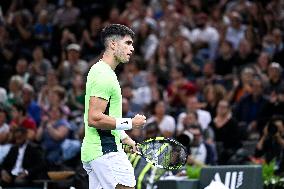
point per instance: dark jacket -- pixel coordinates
(33, 161)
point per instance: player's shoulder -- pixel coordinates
(99, 68)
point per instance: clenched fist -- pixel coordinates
(138, 121)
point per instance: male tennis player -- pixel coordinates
(103, 158)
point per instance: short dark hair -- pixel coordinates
(116, 29)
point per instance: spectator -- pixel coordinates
(261, 66)
(244, 55)
(4, 134)
(179, 89)
(39, 68)
(226, 131)
(192, 104)
(274, 75)
(72, 65)
(90, 41)
(271, 143)
(165, 122)
(23, 163)
(242, 87)
(212, 95)
(224, 63)
(22, 69)
(76, 94)
(152, 92)
(43, 30)
(275, 107)
(236, 31)
(19, 118)
(67, 15)
(51, 82)
(248, 108)
(6, 55)
(33, 109)
(205, 35)
(15, 89)
(51, 134)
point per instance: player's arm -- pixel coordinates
(125, 139)
(97, 118)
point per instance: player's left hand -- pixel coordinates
(131, 143)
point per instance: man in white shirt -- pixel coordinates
(23, 163)
(203, 116)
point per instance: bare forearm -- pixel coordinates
(102, 121)
(259, 145)
(280, 141)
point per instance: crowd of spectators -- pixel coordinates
(210, 70)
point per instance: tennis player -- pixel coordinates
(102, 155)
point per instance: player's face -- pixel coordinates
(124, 49)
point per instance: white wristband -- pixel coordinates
(123, 124)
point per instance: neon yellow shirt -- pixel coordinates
(102, 82)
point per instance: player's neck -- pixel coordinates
(109, 59)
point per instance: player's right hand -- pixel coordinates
(138, 121)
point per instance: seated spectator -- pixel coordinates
(51, 82)
(4, 134)
(165, 122)
(242, 86)
(236, 30)
(39, 68)
(3, 95)
(275, 77)
(72, 65)
(90, 41)
(23, 163)
(212, 95)
(33, 109)
(54, 129)
(248, 108)
(271, 143)
(67, 15)
(21, 119)
(224, 62)
(22, 69)
(179, 89)
(226, 131)
(76, 94)
(56, 97)
(203, 116)
(15, 89)
(275, 107)
(200, 153)
(43, 30)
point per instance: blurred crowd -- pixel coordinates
(208, 73)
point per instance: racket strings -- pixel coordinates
(166, 155)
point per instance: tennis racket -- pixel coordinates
(162, 153)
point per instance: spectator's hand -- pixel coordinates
(5, 176)
(265, 131)
(138, 121)
(22, 175)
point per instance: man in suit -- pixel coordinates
(23, 163)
